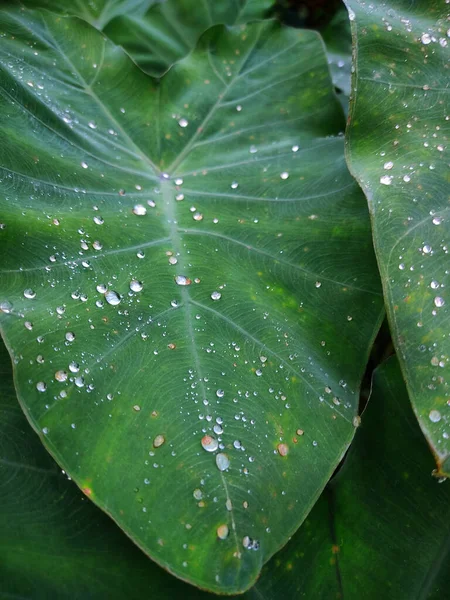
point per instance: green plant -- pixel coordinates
(190, 298)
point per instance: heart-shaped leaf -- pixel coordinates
(397, 142)
(189, 290)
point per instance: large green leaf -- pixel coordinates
(235, 160)
(45, 521)
(397, 142)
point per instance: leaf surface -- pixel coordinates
(186, 265)
(397, 143)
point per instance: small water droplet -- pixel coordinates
(183, 123)
(182, 280)
(29, 293)
(283, 449)
(61, 376)
(216, 296)
(139, 210)
(136, 286)
(435, 416)
(41, 386)
(158, 441)
(222, 532)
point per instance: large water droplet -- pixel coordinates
(112, 298)
(209, 443)
(222, 461)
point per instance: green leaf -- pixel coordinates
(54, 543)
(380, 529)
(338, 40)
(397, 142)
(156, 33)
(170, 30)
(269, 231)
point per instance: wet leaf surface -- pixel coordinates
(189, 289)
(397, 148)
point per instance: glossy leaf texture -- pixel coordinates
(54, 543)
(170, 30)
(96, 12)
(381, 527)
(339, 551)
(190, 293)
(397, 148)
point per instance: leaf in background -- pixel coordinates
(157, 33)
(397, 144)
(170, 30)
(187, 266)
(338, 40)
(96, 12)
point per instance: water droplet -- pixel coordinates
(84, 164)
(197, 493)
(386, 179)
(74, 367)
(388, 165)
(136, 408)
(438, 301)
(61, 376)
(197, 216)
(45, 430)
(222, 461)
(222, 532)
(425, 38)
(434, 416)
(139, 209)
(216, 296)
(437, 220)
(136, 286)
(28, 325)
(30, 294)
(209, 443)
(283, 449)
(234, 185)
(182, 280)
(158, 441)
(220, 393)
(70, 336)
(284, 175)
(295, 148)
(6, 307)
(183, 122)
(112, 298)
(98, 220)
(101, 288)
